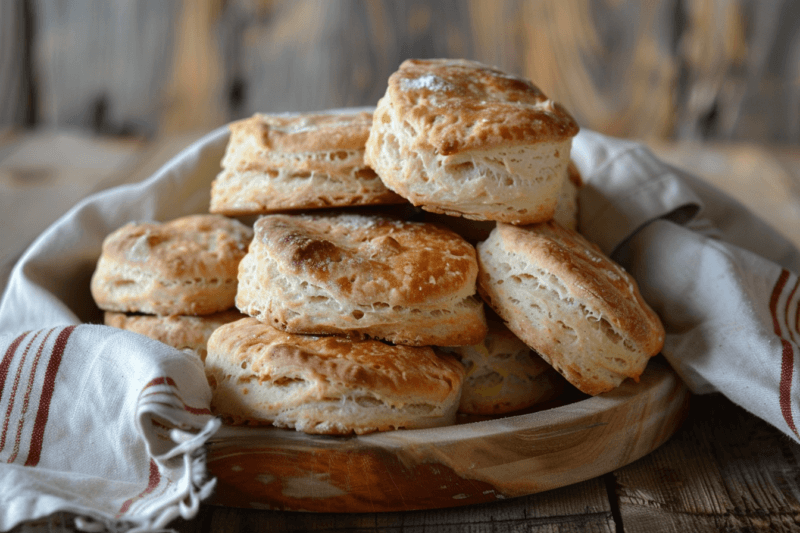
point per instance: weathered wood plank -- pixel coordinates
(609, 63)
(726, 470)
(766, 84)
(103, 66)
(310, 55)
(689, 69)
(42, 175)
(498, 33)
(583, 507)
(195, 98)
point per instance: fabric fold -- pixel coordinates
(722, 281)
(626, 187)
(730, 316)
(102, 423)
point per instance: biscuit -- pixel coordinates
(459, 138)
(328, 385)
(179, 331)
(504, 375)
(187, 266)
(404, 282)
(562, 297)
(278, 163)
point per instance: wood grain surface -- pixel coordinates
(728, 471)
(723, 470)
(666, 69)
(15, 61)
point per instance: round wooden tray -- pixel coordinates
(470, 463)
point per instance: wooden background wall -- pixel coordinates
(670, 69)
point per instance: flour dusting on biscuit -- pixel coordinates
(460, 138)
(404, 282)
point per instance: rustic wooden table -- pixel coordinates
(724, 469)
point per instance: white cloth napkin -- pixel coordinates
(722, 281)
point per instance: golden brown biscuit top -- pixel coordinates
(588, 278)
(306, 133)
(370, 259)
(195, 245)
(417, 373)
(458, 105)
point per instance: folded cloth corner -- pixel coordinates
(723, 282)
(102, 423)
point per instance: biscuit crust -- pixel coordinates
(458, 137)
(179, 331)
(309, 161)
(471, 106)
(187, 266)
(577, 308)
(405, 282)
(328, 385)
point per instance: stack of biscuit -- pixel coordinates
(347, 307)
(458, 138)
(357, 320)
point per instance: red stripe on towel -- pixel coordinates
(13, 397)
(785, 388)
(789, 326)
(152, 482)
(787, 355)
(166, 380)
(161, 381)
(773, 300)
(37, 439)
(27, 399)
(6, 363)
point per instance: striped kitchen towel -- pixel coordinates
(723, 282)
(101, 423)
(731, 318)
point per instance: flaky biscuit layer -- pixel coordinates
(308, 161)
(504, 375)
(405, 282)
(328, 385)
(179, 331)
(457, 137)
(577, 308)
